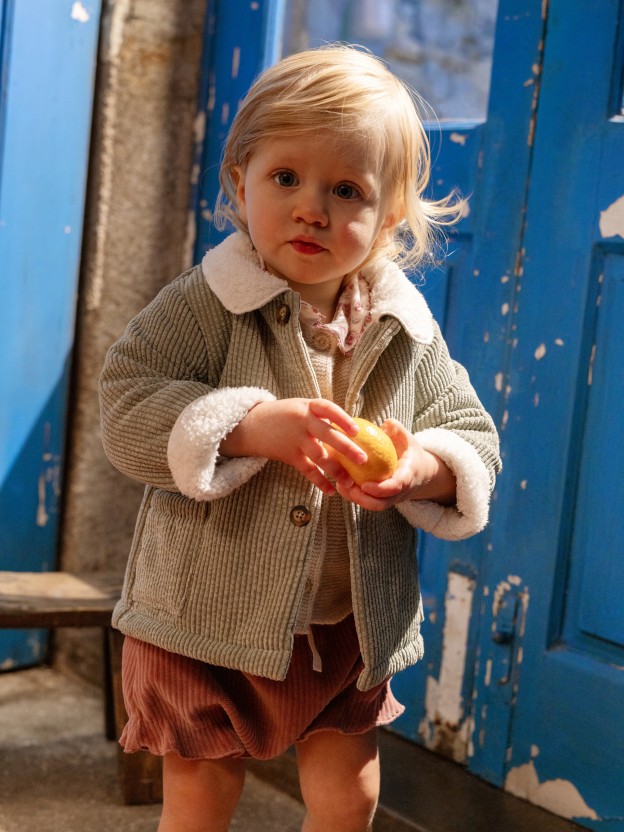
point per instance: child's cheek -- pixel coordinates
(359, 233)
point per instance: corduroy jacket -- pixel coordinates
(223, 547)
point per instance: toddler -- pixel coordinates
(268, 598)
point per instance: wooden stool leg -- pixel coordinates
(140, 774)
(110, 726)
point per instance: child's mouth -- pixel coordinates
(306, 247)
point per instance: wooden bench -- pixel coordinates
(47, 600)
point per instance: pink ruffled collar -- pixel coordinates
(352, 316)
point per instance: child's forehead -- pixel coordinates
(324, 147)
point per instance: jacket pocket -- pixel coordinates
(166, 551)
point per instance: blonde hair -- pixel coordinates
(347, 91)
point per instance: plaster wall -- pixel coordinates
(134, 243)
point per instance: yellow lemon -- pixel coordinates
(382, 458)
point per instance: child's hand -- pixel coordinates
(420, 475)
(293, 431)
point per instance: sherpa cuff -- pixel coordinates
(193, 449)
(470, 513)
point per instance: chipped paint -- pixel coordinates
(524, 597)
(505, 309)
(189, 241)
(523, 485)
(79, 13)
(459, 138)
(590, 371)
(502, 588)
(498, 382)
(558, 796)
(540, 352)
(612, 220)
(443, 728)
(48, 482)
(236, 53)
(199, 127)
(42, 513)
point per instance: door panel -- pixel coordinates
(597, 545)
(556, 527)
(47, 60)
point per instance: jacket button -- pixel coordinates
(300, 516)
(322, 341)
(283, 314)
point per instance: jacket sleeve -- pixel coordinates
(451, 422)
(162, 415)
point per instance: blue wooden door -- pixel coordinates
(549, 707)
(47, 68)
(522, 678)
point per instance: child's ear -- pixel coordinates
(393, 216)
(390, 222)
(238, 177)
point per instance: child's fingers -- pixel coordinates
(383, 490)
(330, 412)
(398, 434)
(354, 494)
(317, 477)
(336, 440)
(327, 429)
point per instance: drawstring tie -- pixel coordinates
(317, 662)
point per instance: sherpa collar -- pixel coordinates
(233, 272)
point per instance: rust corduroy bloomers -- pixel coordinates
(201, 711)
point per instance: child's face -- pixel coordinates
(314, 209)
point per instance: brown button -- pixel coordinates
(283, 314)
(322, 341)
(300, 516)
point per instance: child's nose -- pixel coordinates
(310, 207)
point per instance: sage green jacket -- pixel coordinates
(223, 547)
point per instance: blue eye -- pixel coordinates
(285, 178)
(346, 191)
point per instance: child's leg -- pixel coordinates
(339, 776)
(200, 795)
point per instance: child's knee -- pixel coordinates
(341, 808)
(200, 794)
(339, 777)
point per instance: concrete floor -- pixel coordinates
(58, 772)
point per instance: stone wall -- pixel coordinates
(135, 242)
